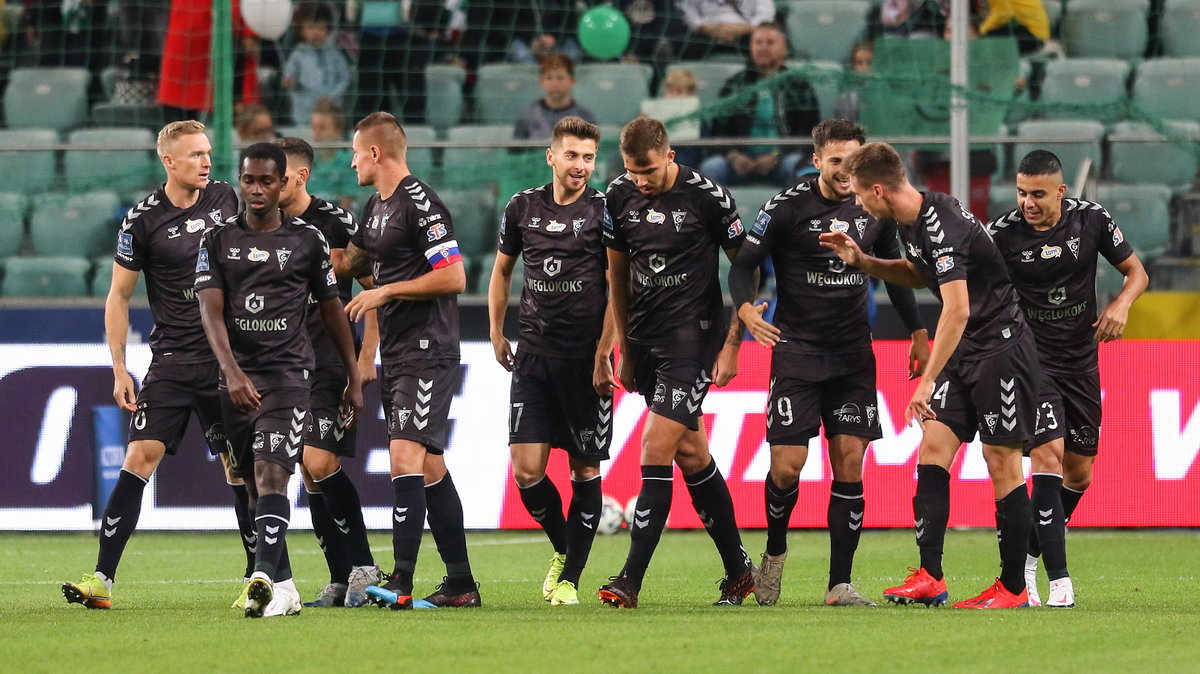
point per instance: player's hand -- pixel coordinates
(763, 332)
(504, 352)
(123, 391)
(625, 371)
(366, 370)
(352, 402)
(766, 163)
(919, 408)
(1111, 324)
(242, 392)
(741, 164)
(602, 376)
(918, 354)
(726, 367)
(844, 246)
(366, 301)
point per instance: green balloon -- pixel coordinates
(603, 32)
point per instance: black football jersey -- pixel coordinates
(160, 240)
(267, 278)
(337, 226)
(673, 240)
(406, 236)
(562, 305)
(948, 243)
(822, 301)
(1054, 272)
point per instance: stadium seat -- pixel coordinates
(1071, 153)
(1105, 28)
(132, 114)
(420, 159)
(443, 96)
(1179, 28)
(116, 166)
(1002, 198)
(13, 207)
(750, 198)
(826, 30)
(484, 273)
(1158, 162)
(1094, 82)
(502, 90)
(827, 87)
(475, 223)
(102, 278)
(301, 131)
(46, 98)
(80, 225)
(462, 163)
(1143, 214)
(45, 277)
(1168, 87)
(30, 168)
(613, 91)
(710, 76)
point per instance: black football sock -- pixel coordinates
(345, 509)
(283, 570)
(271, 517)
(119, 520)
(331, 540)
(780, 501)
(1014, 520)
(1070, 501)
(582, 516)
(544, 505)
(408, 523)
(245, 520)
(446, 525)
(649, 520)
(1049, 525)
(845, 518)
(714, 505)
(931, 513)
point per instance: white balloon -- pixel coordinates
(269, 19)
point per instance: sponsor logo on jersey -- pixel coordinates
(202, 260)
(942, 251)
(260, 441)
(1073, 246)
(760, 223)
(235, 254)
(330, 278)
(735, 229)
(814, 225)
(1086, 436)
(282, 254)
(438, 229)
(657, 263)
(215, 215)
(577, 226)
(836, 225)
(660, 393)
(535, 223)
(944, 264)
(555, 226)
(256, 255)
(552, 266)
(1027, 256)
(848, 414)
(634, 216)
(913, 251)
(193, 226)
(125, 243)
(654, 217)
(1057, 295)
(1051, 252)
(173, 232)
(677, 217)
(255, 303)
(606, 222)
(861, 225)
(1118, 237)
(837, 265)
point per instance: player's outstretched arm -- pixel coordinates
(603, 378)
(743, 285)
(116, 331)
(212, 317)
(1111, 323)
(618, 299)
(497, 297)
(899, 272)
(448, 280)
(339, 330)
(956, 309)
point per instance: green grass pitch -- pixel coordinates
(1137, 594)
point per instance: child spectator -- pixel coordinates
(316, 68)
(558, 79)
(331, 177)
(679, 99)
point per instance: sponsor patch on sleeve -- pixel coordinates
(330, 278)
(202, 260)
(443, 255)
(735, 228)
(944, 264)
(125, 243)
(1118, 237)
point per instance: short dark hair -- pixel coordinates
(577, 127)
(269, 151)
(1040, 163)
(385, 131)
(837, 131)
(877, 164)
(641, 136)
(551, 62)
(296, 147)
(313, 13)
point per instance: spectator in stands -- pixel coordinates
(679, 99)
(253, 124)
(558, 79)
(775, 112)
(331, 177)
(862, 59)
(316, 68)
(185, 81)
(722, 25)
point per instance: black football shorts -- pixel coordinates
(274, 432)
(808, 390)
(169, 394)
(552, 401)
(418, 394)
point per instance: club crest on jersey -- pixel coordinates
(438, 229)
(173, 232)
(814, 225)
(256, 255)
(193, 226)
(1057, 295)
(234, 254)
(1073, 246)
(202, 260)
(861, 225)
(657, 263)
(677, 217)
(677, 395)
(837, 265)
(323, 425)
(991, 420)
(760, 223)
(735, 229)
(552, 266)
(535, 223)
(215, 216)
(282, 254)
(555, 226)
(125, 243)
(577, 226)
(276, 440)
(1027, 256)
(255, 303)
(944, 264)
(870, 415)
(1118, 237)
(1051, 252)
(402, 418)
(836, 225)
(654, 217)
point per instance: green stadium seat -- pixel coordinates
(1158, 162)
(826, 30)
(710, 76)
(502, 90)
(613, 91)
(80, 225)
(30, 168)
(1168, 88)
(1100, 82)
(443, 96)
(1105, 28)
(828, 88)
(463, 163)
(475, 222)
(420, 159)
(750, 198)
(1143, 212)
(1071, 153)
(1002, 198)
(13, 207)
(116, 166)
(1179, 28)
(301, 131)
(45, 277)
(129, 114)
(102, 278)
(46, 98)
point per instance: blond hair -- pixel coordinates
(171, 132)
(681, 79)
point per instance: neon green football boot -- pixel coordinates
(557, 562)
(92, 592)
(565, 594)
